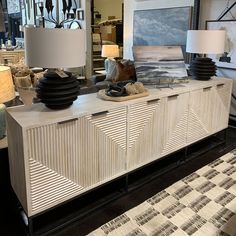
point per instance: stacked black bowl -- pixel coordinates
(202, 68)
(57, 92)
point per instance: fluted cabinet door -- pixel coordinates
(200, 114)
(106, 141)
(68, 157)
(145, 131)
(175, 123)
(221, 105)
(53, 156)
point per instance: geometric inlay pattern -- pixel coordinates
(196, 127)
(112, 125)
(59, 171)
(177, 138)
(144, 132)
(140, 116)
(175, 123)
(200, 114)
(221, 107)
(48, 187)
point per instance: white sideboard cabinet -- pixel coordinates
(55, 155)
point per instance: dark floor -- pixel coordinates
(113, 198)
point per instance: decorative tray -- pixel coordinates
(102, 94)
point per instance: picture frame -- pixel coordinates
(167, 27)
(228, 58)
(155, 65)
(80, 14)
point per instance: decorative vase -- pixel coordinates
(23, 81)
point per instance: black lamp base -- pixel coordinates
(57, 92)
(202, 68)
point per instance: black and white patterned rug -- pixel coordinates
(201, 204)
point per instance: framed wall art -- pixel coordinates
(159, 64)
(162, 27)
(228, 58)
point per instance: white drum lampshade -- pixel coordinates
(52, 49)
(204, 42)
(55, 48)
(7, 93)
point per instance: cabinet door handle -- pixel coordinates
(66, 121)
(99, 113)
(173, 96)
(207, 88)
(220, 85)
(153, 101)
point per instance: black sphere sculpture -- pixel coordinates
(57, 92)
(202, 68)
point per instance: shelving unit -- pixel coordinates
(98, 61)
(11, 56)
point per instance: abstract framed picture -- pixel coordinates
(228, 58)
(159, 64)
(162, 27)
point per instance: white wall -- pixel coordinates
(131, 5)
(109, 8)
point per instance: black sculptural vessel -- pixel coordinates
(202, 68)
(57, 92)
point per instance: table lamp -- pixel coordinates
(7, 93)
(55, 49)
(110, 52)
(204, 42)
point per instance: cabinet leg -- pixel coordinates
(225, 135)
(183, 157)
(27, 221)
(30, 227)
(185, 153)
(126, 183)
